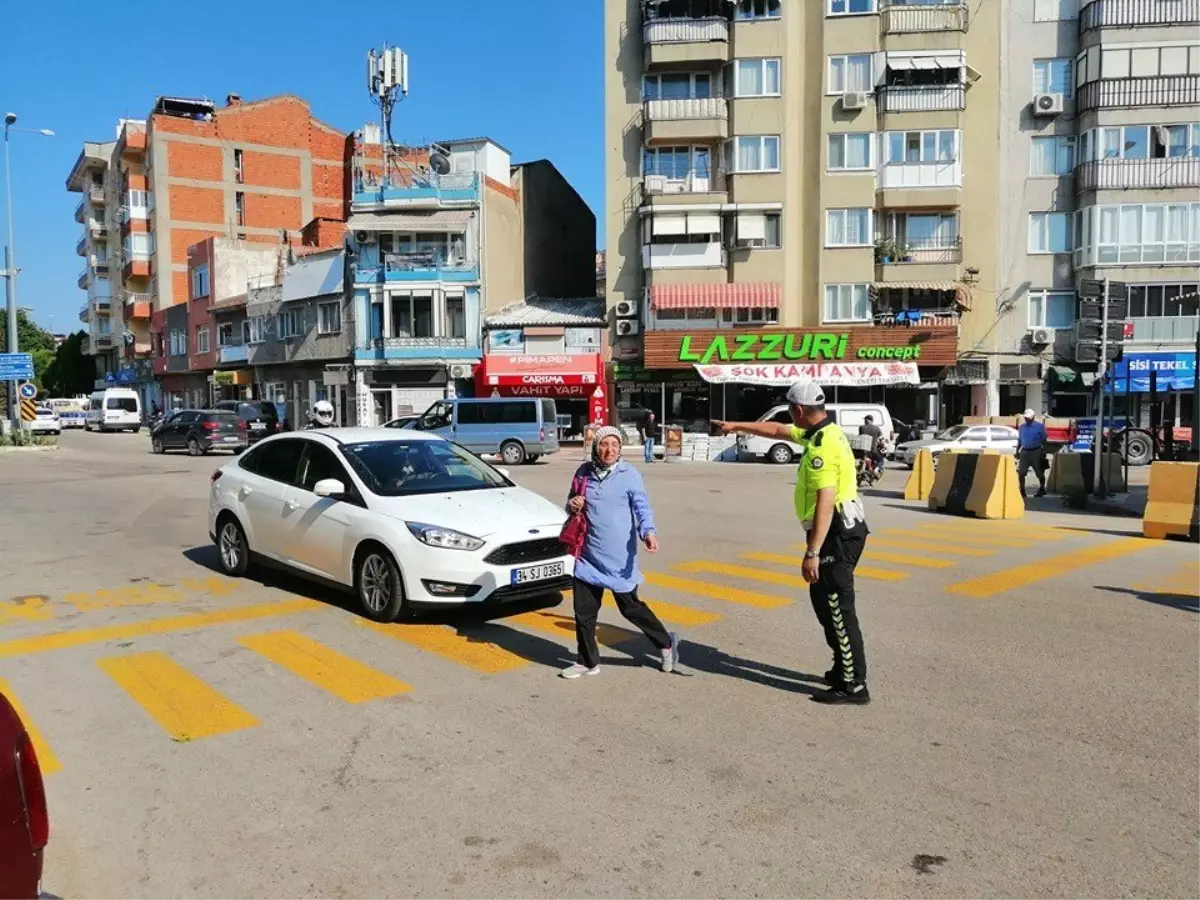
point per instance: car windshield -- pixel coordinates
(402, 468)
(952, 434)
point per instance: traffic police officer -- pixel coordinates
(829, 508)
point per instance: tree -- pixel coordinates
(30, 335)
(70, 373)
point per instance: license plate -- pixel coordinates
(530, 574)
(230, 440)
(258, 426)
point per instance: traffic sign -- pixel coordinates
(1088, 330)
(16, 366)
(1094, 309)
(28, 390)
(1094, 287)
(28, 410)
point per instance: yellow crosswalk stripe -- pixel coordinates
(933, 546)
(870, 572)
(564, 627)
(1051, 567)
(470, 649)
(46, 758)
(345, 678)
(718, 592)
(936, 532)
(181, 703)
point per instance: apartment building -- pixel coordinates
(252, 171)
(790, 185)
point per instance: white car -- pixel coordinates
(46, 422)
(961, 437)
(404, 518)
(848, 415)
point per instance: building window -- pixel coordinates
(1052, 156)
(1051, 309)
(677, 163)
(921, 146)
(412, 316)
(851, 152)
(291, 323)
(1140, 142)
(456, 316)
(748, 10)
(852, 72)
(848, 227)
(138, 202)
(847, 303)
(850, 7)
(200, 282)
(329, 318)
(1159, 300)
(139, 245)
(254, 330)
(1055, 10)
(202, 339)
(752, 153)
(923, 231)
(239, 173)
(750, 315)
(225, 335)
(677, 86)
(104, 325)
(1050, 232)
(699, 314)
(239, 205)
(752, 229)
(1141, 233)
(1052, 76)
(754, 78)
(178, 338)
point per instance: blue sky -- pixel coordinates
(524, 72)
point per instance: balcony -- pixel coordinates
(1138, 174)
(137, 310)
(698, 40)
(128, 213)
(231, 354)
(427, 267)
(1138, 13)
(693, 187)
(137, 265)
(97, 228)
(454, 189)
(899, 99)
(683, 256)
(79, 217)
(1149, 90)
(82, 281)
(1166, 329)
(81, 247)
(85, 312)
(102, 342)
(694, 119)
(96, 194)
(916, 18)
(924, 259)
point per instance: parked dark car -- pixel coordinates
(260, 417)
(24, 820)
(199, 431)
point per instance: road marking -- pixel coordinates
(937, 532)
(564, 627)
(61, 640)
(46, 759)
(797, 561)
(1031, 530)
(675, 614)
(934, 546)
(909, 559)
(346, 678)
(181, 703)
(718, 592)
(1022, 576)
(470, 649)
(29, 608)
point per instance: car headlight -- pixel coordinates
(445, 538)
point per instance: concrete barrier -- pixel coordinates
(1173, 502)
(1072, 473)
(983, 485)
(920, 482)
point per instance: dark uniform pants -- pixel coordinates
(833, 600)
(1032, 459)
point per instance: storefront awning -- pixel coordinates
(962, 293)
(763, 294)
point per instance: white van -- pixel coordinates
(114, 409)
(849, 415)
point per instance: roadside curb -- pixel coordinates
(40, 449)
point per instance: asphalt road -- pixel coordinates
(1034, 728)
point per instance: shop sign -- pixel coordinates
(1174, 371)
(819, 345)
(825, 374)
(224, 378)
(507, 340)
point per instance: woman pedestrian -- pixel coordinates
(609, 495)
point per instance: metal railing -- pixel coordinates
(687, 108)
(422, 261)
(691, 183)
(921, 99)
(682, 31)
(926, 251)
(1123, 174)
(1126, 13)
(132, 297)
(1147, 90)
(907, 19)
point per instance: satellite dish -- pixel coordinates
(439, 163)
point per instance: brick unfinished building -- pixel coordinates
(258, 171)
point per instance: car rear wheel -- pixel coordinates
(378, 585)
(157, 446)
(1138, 447)
(512, 453)
(780, 454)
(194, 448)
(232, 548)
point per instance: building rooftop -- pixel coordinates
(582, 312)
(474, 140)
(94, 153)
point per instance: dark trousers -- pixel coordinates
(1031, 459)
(587, 608)
(833, 601)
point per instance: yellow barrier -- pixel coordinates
(920, 482)
(1173, 501)
(1071, 473)
(943, 480)
(980, 484)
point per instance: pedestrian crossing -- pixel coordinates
(186, 707)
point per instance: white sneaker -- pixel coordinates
(670, 656)
(575, 670)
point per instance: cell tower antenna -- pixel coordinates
(387, 83)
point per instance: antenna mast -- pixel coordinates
(387, 82)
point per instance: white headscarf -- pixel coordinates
(599, 468)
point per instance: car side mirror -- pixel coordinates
(329, 487)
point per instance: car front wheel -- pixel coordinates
(232, 548)
(378, 585)
(156, 445)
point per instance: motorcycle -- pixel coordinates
(867, 472)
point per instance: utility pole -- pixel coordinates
(1099, 482)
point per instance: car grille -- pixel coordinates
(526, 552)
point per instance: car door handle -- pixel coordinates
(245, 492)
(289, 506)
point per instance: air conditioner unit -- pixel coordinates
(626, 309)
(655, 184)
(1047, 104)
(364, 237)
(855, 100)
(627, 327)
(460, 370)
(1041, 335)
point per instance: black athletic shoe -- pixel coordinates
(832, 678)
(858, 695)
(1041, 492)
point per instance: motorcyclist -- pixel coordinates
(869, 427)
(321, 415)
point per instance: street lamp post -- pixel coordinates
(10, 262)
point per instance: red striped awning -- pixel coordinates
(722, 296)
